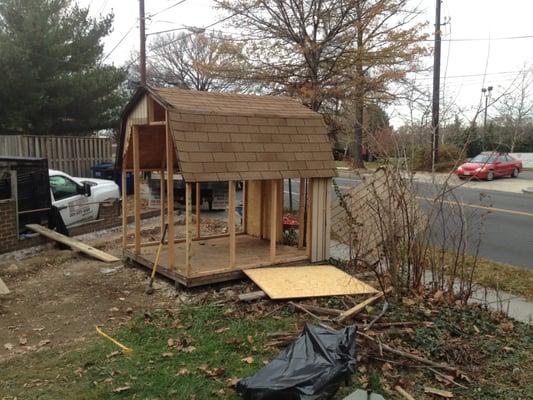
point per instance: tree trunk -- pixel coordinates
(357, 148)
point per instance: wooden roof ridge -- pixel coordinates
(224, 103)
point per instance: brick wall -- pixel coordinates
(8, 226)
(109, 216)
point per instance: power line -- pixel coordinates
(204, 28)
(482, 74)
(120, 41)
(165, 9)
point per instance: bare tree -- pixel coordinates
(196, 61)
(515, 111)
(296, 47)
(329, 50)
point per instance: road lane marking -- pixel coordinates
(495, 209)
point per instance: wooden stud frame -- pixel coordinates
(308, 225)
(124, 209)
(188, 223)
(231, 222)
(162, 198)
(301, 215)
(137, 189)
(198, 206)
(273, 218)
(170, 190)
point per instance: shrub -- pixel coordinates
(449, 155)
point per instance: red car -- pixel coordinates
(489, 165)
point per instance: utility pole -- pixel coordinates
(436, 87)
(486, 92)
(142, 51)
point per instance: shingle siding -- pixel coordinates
(223, 136)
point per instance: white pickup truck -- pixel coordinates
(78, 199)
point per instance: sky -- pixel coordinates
(478, 35)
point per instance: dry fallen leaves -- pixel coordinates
(188, 349)
(23, 341)
(248, 360)
(8, 346)
(183, 372)
(232, 381)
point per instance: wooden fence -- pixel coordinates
(71, 154)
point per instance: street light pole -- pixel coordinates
(486, 92)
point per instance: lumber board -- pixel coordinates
(136, 190)
(307, 281)
(252, 296)
(231, 223)
(301, 215)
(188, 233)
(350, 313)
(169, 155)
(198, 196)
(124, 209)
(73, 243)
(3, 288)
(273, 214)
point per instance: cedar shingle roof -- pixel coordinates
(222, 136)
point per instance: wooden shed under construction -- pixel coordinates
(203, 137)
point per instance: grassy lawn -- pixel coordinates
(503, 277)
(507, 278)
(213, 345)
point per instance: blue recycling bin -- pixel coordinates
(107, 171)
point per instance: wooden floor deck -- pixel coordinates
(210, 259)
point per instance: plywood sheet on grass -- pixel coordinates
(306, 281)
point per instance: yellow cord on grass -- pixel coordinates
(124, 348)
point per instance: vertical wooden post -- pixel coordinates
(301, 215)
(327, 232)
(243, 225)
(162, 198)
(273, 219)
(308, 224)
(188, 233)
(231, 223)
(137, 188)
(170, 192)
(124, 206)
(198, 206)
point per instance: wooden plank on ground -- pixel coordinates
(73, 243)
(307, 281)
(360, 307)
(252, 296)
(3, 288)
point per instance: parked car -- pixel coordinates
(489, 165)
(78, 199)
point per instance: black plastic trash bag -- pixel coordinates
(311, 368)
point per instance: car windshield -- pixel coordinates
(483, 159)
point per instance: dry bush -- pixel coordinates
(411, 243)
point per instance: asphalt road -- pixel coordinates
(507, 228)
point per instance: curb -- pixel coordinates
(528, 190)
